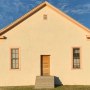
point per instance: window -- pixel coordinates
(76, 58)
(45, 17)
(15, 58)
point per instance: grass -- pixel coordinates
(73, 87)
(66, 87)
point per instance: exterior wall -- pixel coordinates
(55, 37)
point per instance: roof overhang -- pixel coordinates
(30, 13)
(88, 36)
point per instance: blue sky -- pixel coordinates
(10, 10)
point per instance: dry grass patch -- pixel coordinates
(66, 87)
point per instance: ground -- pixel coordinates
(66, 87)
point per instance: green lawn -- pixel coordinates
(66, 87)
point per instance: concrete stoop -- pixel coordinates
(44, 82)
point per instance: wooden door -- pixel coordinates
(45, 65)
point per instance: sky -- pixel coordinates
(10, 10)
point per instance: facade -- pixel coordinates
(44, 42)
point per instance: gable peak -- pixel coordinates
(37, 8)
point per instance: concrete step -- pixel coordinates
(44, 82)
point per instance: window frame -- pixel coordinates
(14, 58)
(79, 58)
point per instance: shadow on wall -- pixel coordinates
(57, 81)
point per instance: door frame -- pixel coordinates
(41, 64)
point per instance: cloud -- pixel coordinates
(78, 9)
(81, 9)
(10, 10)
(62, 6)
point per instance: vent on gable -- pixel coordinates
(45, 17)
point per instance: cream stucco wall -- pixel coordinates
(55, 37)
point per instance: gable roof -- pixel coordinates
(39, 7)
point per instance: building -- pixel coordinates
(44, 42)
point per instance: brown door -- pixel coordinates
(45, 65)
